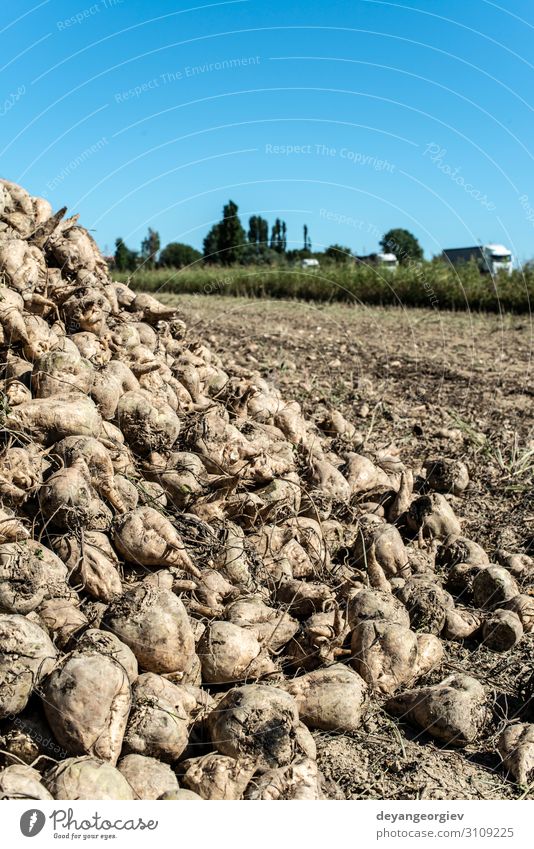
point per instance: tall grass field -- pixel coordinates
(427, 285)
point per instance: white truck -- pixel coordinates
(490, 258)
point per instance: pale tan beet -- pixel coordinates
(92, 348)
(22, 581)
(279, 500)
(21, 471)
(41, 338)
(22, 265)
(211, 593)
(292, 423)
(460, 580)
(388, 656)
(461, 623)
(110, 384)
(98, 461)
(493, 587)
(523, 605)
(26, 656)
(363, 475)
(223, 448)
(447, 475)
(232, 559)
(459, 549)
(108, 644)
(516, 748)
(182, 475)
(273, 628)
(433, 517)
(147, 425)
(229, 654)
(146, 537)
(87, 778)
(371, 604)
(380, 551)
(51, 419)
(519, 565)
(308, 533)
(159, 721)
(334, 424)
(301, 780)
(152, 310)
(87, 310)
(502, 630)
(242, 725)
(58, 372)
(12, 529)
(87, 702)
(427, 604)
(38, 556)
(92, 563)
(148, 777)
(11, 309)
(304, 597)
(318, 642)
(181, 795)
(68, 500)
(453, 711)
(16, 393)
(153, 622)
(217, 777)
(331, 699)
(330, 481)
(62, 618)
(22, 782)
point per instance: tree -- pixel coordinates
(403, 244)
(338, 253)
(279, 237)
(258, 230)
(231, 236)
(211, 246)
(263, 231)
(125, 259)
(177, 254)
(307, 240)
(150, 247)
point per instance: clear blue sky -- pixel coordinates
(352, 116)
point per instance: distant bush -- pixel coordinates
(428, 284)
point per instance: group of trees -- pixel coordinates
(227, 243)
(174, 255)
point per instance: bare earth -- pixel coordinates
(432, 384)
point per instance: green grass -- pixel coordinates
(430, 285)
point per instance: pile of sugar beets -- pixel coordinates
(193, 576)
